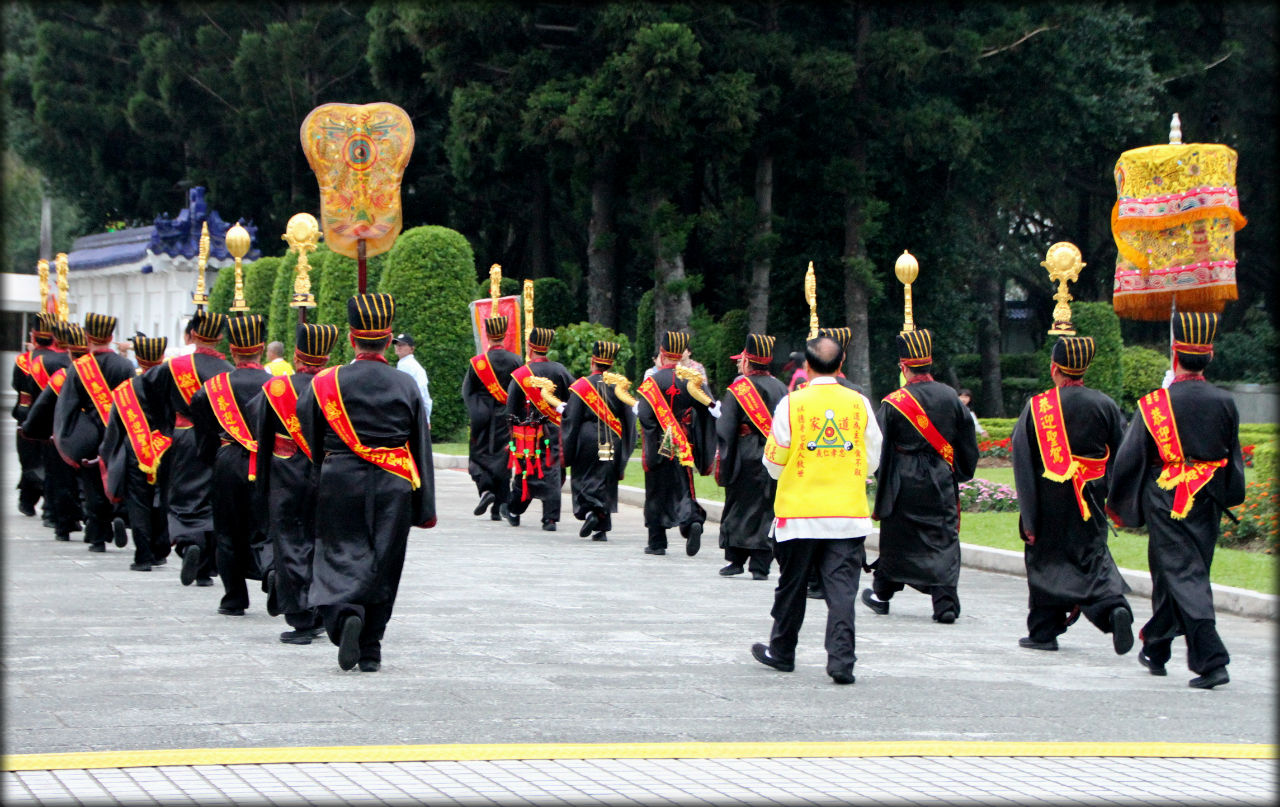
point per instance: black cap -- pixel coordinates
(402, 339)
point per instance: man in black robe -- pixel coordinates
(26, 368)
(1069, 568)
(79, 421)
(676, 417)
(286, 482)
(535, 424)
(484, 391)
(746, 416)
(929, 448)
(61, 488)
(188, 494)
(376, 480)
(1178, 468)
(126, 481)
(594, 450)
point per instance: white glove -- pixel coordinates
(560, 409)
(714, 410)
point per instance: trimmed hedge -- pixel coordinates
(573, 344)
(507, 287)
(1144, 371)
(259, 277)
(999, 428)
(554, 306)
(283, 320)
(646, 338)
(431, 273)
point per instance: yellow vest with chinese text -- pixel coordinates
(824, 472)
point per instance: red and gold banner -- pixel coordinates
(398, 461)
(39, 374)
(484, 371)
(522, 374)
(284, 400)
(910, 408)
(1185, 478)
(748, 398)
(585, 390)
(185, 375)
(94, 383)
(230, 418)
(667, 420)
(148, 445)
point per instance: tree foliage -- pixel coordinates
(573, 345)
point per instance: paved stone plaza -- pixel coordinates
(516, 635)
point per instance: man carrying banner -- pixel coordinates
(1063, 445)
(599, 432)
(537, 471)
(484, 391)
(929, 449)
(746, 418)
(61, 489)
(1178, 468)
(366, 425)
(676, 419)
(225, 440)
(286, 482)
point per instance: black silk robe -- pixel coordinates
(520, 411)
(669, 498)
(748, 488)
(363, 513)
(1069, 563)
(1180, 551)
(117, 450)
(917, 493)
(77, 427)
(490, 430)
(593, 481)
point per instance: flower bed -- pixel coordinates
(982, 496)
(995, 449)
(1259, 519)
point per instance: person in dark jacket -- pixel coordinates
(535, 425)
(484, 391)
(599, 433)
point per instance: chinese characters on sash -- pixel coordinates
(1184, 477)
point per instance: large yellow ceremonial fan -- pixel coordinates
(1174, 224)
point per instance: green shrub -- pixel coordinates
(733, 335)
(1017, 391)
(223, 290)
(646, 337)
(704, 346)
(431, 273)
(573, 344)
(1144, 371)
(337, 285)
(554, 306)
(1258, 518)
(1247, 355)
(508, 287)
(999, 428)
(1106, 373)
(259, 277)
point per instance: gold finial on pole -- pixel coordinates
(528, 317)
(907, 269)
(238, 243)
(495, 283)
(64, 304)
(42, 268)
(200, 299)
(1064, 264)
(1175, 130)
(302, 234)
(811, 297)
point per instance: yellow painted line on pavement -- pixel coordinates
(694, 750)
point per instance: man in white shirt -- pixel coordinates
(823, 443)
(405, 362)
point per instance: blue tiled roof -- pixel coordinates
(109, 249)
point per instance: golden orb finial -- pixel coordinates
(1063, 262)
(907, 268)
(302, 234)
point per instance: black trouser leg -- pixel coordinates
(839, 563)
(551, 507)
(761, 559)
(62, 491)
(737, 555)
(945, 598)
(883, 587)
(31, 460)
(305, 620)
(1046, 622)
(794, 559)
(98, 509)
(1205, 650)
(1099, 613)
(230, 559)
(657, 538)
(374, 616)
(139, 504)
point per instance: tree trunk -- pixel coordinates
(601, 246)
(990, 296)
(758, 298)
(858, 362)
(672, 307)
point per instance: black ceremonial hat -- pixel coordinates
(758, 349)
(70, 334)
(674, 344)
(496, 326)
(99, 327)
(1073, 354)
(1193, 332)
(44, 324)
(841, 335)
(206, 326)
(313, 343)
(370, 315)
(604, 353)
(246, 334)
(149, 349)
(915, 348)
(540, 339)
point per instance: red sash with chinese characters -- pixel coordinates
(1060, 465)
(1184, 477)
(484, 371)
(91, 376)
(284, 400)
(752, 404)
(148, 445)
(522, 374)
(667, 420)
(398, 461)
(185, 375)
(585, 390)
(57, 380)
(230, 418)
(38, 373)
(910, 408)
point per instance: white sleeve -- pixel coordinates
(780, 432)
(872, 437)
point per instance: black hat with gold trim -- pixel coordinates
(758, 349)
(44, 323)
(70, 335)
(915, 348)
(149, 349)
(370, 315)
(206, 326)
(1072, 354)
(247, 334)
(674, 344)
(99, 327)
(1193, 332)
(540, 339)
(841, 335)
(495, 327)
(605, 353)
(314, 343)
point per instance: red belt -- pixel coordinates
(181, 421)
(285, 447)
(24, 399)
(744, 429)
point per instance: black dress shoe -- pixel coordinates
(1122, 630)
(204, 582)
(731, 570)
(600, 536)
(369, 665)
(486, 499)
(694, 542)
(946, 617)
(139, 567)
(1211, 679)
(231, 611)
(97, 547)
(349, 643)
(760, 652)
(26, 509)
(494, 514)
(1152, 667)
(654, 550)
(122, 537)
(49, 522)
(816, 594)
(273, 601)
(190, 563)
(589, 524)
(548, 526)
(880, 607)
(61, 536)
(842, 676)
(1032, 644)
(159, 561)
(301, 636)
(759, 576)
(505, 512)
